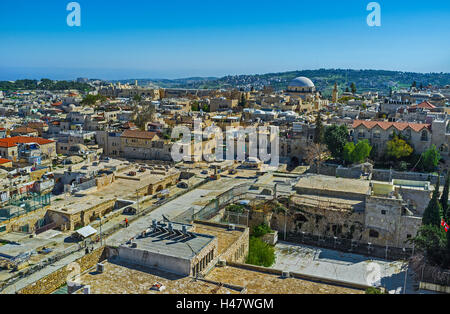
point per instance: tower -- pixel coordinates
(335, 93)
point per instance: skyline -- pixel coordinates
(177, 39)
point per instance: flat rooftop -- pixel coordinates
(225, 237)
(124, 278)
(328, 183)
(174, 243)
(258, 282)
(328, 203)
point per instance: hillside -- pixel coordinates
(324, 79)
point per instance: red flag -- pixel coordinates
(445, 225)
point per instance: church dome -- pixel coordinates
(301, 82)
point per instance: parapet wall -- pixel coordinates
(58, 278)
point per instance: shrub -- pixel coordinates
(261, 230)
(373, 290)
(236, 208)
(260, 253)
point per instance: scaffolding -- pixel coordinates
(26, 202)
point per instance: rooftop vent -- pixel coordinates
(100, 268)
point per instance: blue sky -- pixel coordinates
(182, 38)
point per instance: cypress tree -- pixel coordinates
(319, 131)
(432, 214)
(444, 198)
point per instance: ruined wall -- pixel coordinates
(29, 219)
(58, 278)
(418, 199)
(387, 225)
(342, 224)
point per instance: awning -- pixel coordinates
(86, 232)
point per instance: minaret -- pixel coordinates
(335, 93)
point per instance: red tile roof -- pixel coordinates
(4, 161)
(13, 141)
(386, 125)
(24, 130)
(139, 134)
(424, 105)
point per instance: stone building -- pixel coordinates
(368, 211)
(419, 135)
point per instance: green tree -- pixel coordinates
(357, 153)
(353, 88)
(336, 138)
(137, 99)
(397, 148)
(91, 100)
(319, 130)
(261, 230)
(243, 101)
(444, 198)
(260, 253)
(142, 116)
(432, 240)
(432, 214)
(430, 158)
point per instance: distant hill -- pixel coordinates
(324, 79)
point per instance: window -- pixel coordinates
(374, 234)
(424, 137)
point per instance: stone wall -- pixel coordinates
(386, 175)
(29, 219)
(58, 278)
(342, 224)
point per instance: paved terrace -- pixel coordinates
(258, 282)
(194, 199)
(123, 278)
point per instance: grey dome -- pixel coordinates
(301, 82)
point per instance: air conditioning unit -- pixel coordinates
(285, 274)
(231, 227)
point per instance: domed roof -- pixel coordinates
(301, 82)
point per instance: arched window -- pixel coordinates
(424, 136)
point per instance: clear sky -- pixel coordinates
(183, 38)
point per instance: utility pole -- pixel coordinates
(406, 278)
(137, 197)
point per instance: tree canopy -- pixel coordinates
(432, 214)
(398, 148)
(444, 198)
(319, 131)
(430, 158)
(336, 138)
(357, 153)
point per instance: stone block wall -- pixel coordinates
(55, 280)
